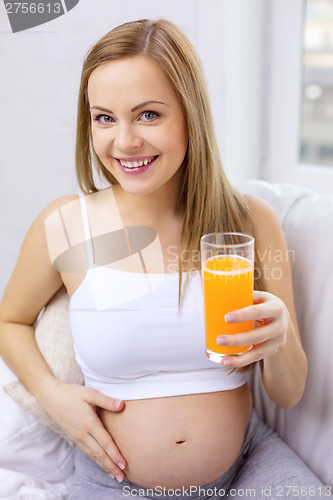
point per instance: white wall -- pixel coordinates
(40, 71)
(243, 34)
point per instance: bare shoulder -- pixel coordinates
(266, 224)
(272, 251)
(261, 211)
(269, 239)
(34, 280)
(57, 204)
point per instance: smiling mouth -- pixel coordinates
(137, 162)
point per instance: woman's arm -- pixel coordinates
(32, 285)
(275, 338)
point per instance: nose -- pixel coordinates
(126, 138)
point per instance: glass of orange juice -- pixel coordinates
(227, 263)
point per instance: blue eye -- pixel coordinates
(103, 119)
(149, 116)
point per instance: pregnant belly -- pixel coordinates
(180, 441)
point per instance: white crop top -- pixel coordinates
(131, 341)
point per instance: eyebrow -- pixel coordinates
(133, 109)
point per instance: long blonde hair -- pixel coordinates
(211, 204)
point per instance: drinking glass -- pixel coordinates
(227, 263)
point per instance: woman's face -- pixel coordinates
(138, 124)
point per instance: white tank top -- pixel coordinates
(132, 342)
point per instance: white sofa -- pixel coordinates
(307, 221)
(36, 462)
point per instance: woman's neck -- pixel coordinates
(154, 207)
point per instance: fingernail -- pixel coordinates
(226, 362)
(116, 404)
(121, 466)
(119, 478)
(229, 317)
(221, 340)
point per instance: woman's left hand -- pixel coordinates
(271, 320)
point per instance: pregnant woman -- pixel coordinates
(155, 414)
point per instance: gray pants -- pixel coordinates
(265, 468)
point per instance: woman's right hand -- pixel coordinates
(33, 283)
(74, 408)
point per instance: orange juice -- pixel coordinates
(228, 285)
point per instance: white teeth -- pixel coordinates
(135, 164)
